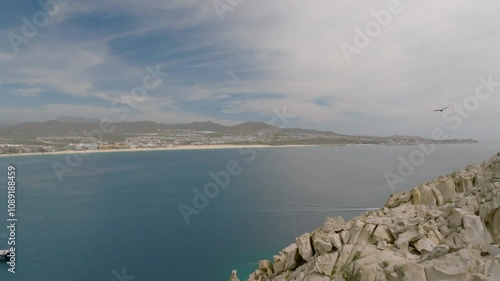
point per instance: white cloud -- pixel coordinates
(429, 56)
(28, 92)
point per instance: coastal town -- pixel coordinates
(172, 138)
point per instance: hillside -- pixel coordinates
(72, 128)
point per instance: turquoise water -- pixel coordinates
(120, 210)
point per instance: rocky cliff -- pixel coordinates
(446, 229)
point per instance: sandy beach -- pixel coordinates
(184, 147)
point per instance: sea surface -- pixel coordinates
(116, 216)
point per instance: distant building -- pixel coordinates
(83, 146)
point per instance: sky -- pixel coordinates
(354, 67)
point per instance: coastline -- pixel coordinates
(182, 147)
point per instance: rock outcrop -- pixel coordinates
(446, 229)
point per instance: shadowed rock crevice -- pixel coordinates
(493, 224)
(445, 229)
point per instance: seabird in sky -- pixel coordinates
(441, 110)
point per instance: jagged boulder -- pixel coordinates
(409, 272)
(335, 239)
(333, 224)
(493, 224)
(413, 234)
(287, 259)
(304, 245)
(324, 263)
(423, 195)
(234, 276)
(425, 245)
(446, 186)
(474, 232)
(460, 265)
(382, 233)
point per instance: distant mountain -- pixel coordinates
(31, 130)
(76, 120)
(308, 131)
(249, 127)
(8, 122)
(76, 126)
(202, 126)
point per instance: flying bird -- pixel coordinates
(441, 110)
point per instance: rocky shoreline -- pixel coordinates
(445, 229)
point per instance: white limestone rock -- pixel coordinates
(317, 277)
(474, 231)
(333, 224)
(365, 234)
(479, 277)
(378, 220)
(300, 273)
(266, 266)
(493, 220)
(410, 272)
(345, 235)
(446, 187)
(368, 273)
(494, 250)
(425, 245)
(335, 239)
(455, 241)
(321, 246)
(234, 276)
(456, 218)
(344, 254)
(454, 266)
(304, 245)
(413, 234)
(382, 233)
(355, 231)
(286, 259)
(325, 263)
(382, 245)
(440, 221)
(423, 195)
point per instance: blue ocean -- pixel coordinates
(116, 216)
